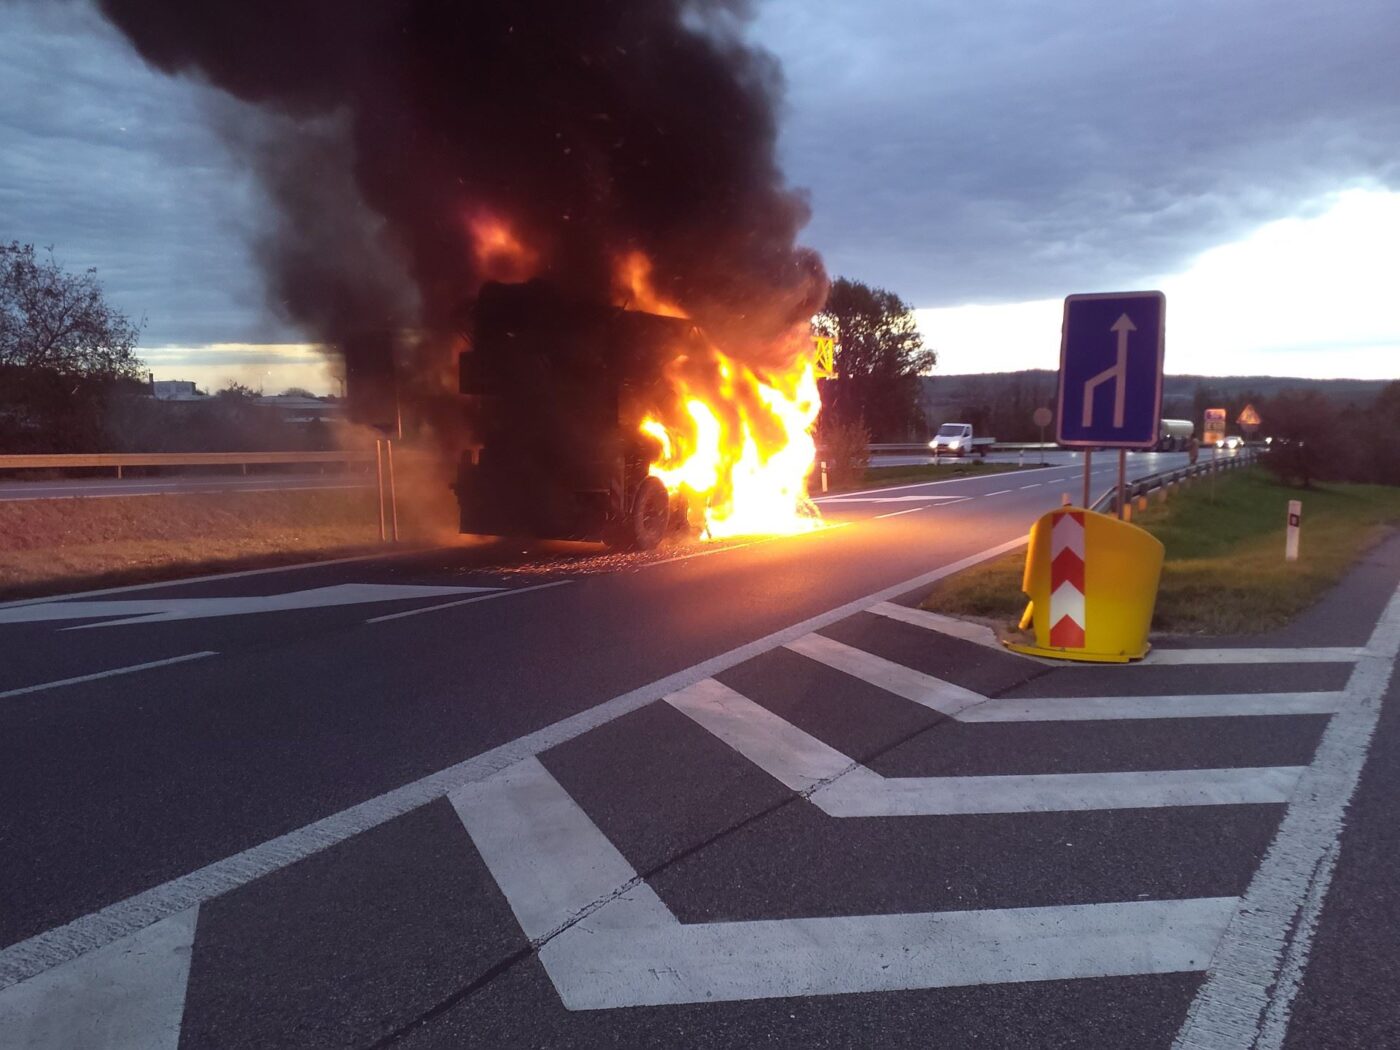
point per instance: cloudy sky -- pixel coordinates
(981, 159)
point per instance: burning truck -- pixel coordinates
(556, 389)
(412, 153)
(600, 422)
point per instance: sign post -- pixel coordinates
(1042, 417)
(1111, 350)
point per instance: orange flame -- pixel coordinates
(737, 444)
(635, 290)
(500, 254)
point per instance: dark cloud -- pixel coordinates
(1004, 150)
(113, 165)
(962, 151)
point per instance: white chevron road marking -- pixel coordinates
(127, 995)
(842, 787)
(985, 636)
(608, 941)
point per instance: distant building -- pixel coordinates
(176, 390)
(297, 408)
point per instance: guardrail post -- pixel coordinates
(379, 476)
(393, 493)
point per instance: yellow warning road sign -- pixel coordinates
(1249, 417)
(826, 356)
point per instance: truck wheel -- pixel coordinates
(650, 516)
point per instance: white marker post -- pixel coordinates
(823, 475)
(1295, 523)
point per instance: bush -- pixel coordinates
(845, 449)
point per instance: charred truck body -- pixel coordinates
(557, 389)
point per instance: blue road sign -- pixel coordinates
(1111, 348)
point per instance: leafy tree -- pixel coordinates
(59, 321)
(879, 358)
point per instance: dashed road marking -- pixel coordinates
(130, 669)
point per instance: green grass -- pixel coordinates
(874, 476)
(1224, 571)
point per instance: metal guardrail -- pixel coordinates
(996, 446)
(1108, 502)
(121, 460)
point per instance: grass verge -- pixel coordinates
(55, 545)
(1224, 571)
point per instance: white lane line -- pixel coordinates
(92, 931)
(468, 601)
(1257, 968)
(131, 669)
(998, 492)
(897, 513)
(949, 625)
(1094, 708)
(607, 941)
(971, 632)
(128, 995)
(934, 693)
(1035, 486)
(895, 499)
(842, 787)
(927, 484)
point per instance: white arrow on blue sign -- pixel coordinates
(1111, 349)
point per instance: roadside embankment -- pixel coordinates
(67, 544)
(1225, 571)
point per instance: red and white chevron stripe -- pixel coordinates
(1067, 581)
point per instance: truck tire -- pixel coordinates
(650, 515)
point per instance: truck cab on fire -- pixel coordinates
(553, 387)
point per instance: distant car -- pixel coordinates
(1234, 441)
(958, 439)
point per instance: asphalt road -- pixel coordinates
(436, 800)
(263, 481)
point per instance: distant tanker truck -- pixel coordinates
(1175, 434)
(556, 387)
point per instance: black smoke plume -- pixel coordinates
(594, 127)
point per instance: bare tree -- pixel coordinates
(61, 322)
